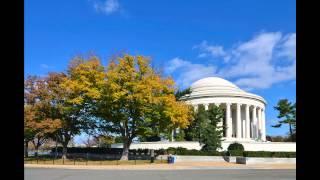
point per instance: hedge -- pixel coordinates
(193, 152)
(105, 150)
(93, 150)
(269, 154)
(177, 151)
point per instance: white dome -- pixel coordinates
(214, 82)
(218, 87)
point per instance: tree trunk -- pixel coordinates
(56, 154)
(290, 128)
(26, 149)
(125, 151)
(36, 151)
(64, 150)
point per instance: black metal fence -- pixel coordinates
(92, 159)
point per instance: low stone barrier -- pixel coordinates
(257, 160)
(180, 158)
(263, 146)
(231, 159)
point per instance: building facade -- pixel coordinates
(244, 112)
(244, 119)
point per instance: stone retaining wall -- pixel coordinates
(257, 160)
(194, 158)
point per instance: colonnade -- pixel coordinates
(242, 121)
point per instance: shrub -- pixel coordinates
(146, 151)
(269, 154)
(236, 153)
(171, 150)
(140, 151)
(181, 151)
(235, 147)
(134, 152)
(193, 152)
(268, 138)
(160, 152)
(92, 150)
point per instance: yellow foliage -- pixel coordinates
(131, 80)
(85, 79)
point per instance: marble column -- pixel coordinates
(263, 125)
(254, 117)
(195, 107)
(172, 135)
(247, 122)
(228, 120)
(238, 122)
(220, 124)
(206, 106)
(259, 123)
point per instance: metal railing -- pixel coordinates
(92, 159)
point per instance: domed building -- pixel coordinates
(244, 112)
(244, 119)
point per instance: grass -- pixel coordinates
(89, 162)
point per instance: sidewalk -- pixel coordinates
(176, 166)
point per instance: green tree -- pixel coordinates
(206, 127)
(202, 121)
(213, 131)
(104, 140)
(287, 114)
(181, 93)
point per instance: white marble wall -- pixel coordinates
(248, 146)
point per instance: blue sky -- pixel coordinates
(249, 42)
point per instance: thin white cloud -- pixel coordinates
(257, 61)
(189, 72)
(211, 50)
(288, 47)
(107, 6)
(44, 66)
(254, 64)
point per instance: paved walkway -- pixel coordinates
(176, 166)
(199, 174)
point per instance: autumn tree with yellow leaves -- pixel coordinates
(128, 99)
(77, 94)
(135, 99)
(38, 124)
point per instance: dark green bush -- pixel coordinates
(236, 152)
(140, 151)
(235, 147)
(146, 151)
(160, 152)
(92, 150)
(171, 150)
(193, 152)
(181, 150)
(269, 154)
